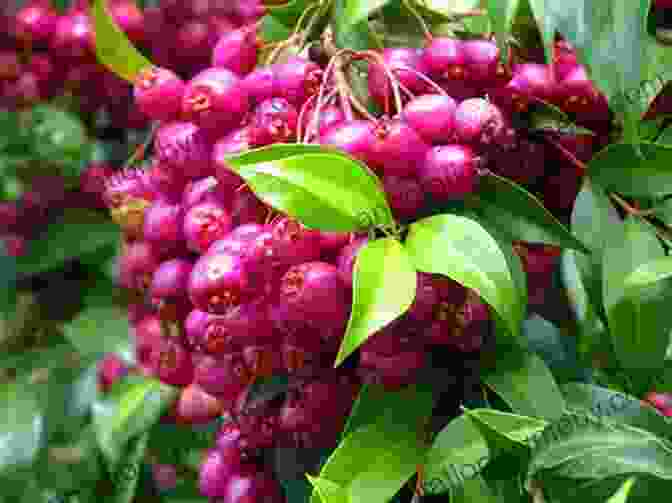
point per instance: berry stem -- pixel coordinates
(571, 157)
(424, 78)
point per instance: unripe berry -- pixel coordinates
(158, 93)
(215, 100)
(237, 51)
(449, 172)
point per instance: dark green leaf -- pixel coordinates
(590, 449)
(7, 285)
(358, 11)
(524, 382)
(502, 14)
(323, 190)
(75, 233)
(520, 214)
(619, 168)
(113, 49)
(22, 427)
(101, 327)
(503, 431)
(665, 137)
(638, 316)
(131, 408)
(621, 496)
(126, 475)
(463, 250)
(545, 117)
(380, 294)
(476, 490)
(609, 405)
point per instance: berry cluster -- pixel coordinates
(229, 290)
(45, 55)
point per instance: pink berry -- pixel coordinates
(432, 116)
(449, 172)
(236, 51)
(158, 93)
(205, 223)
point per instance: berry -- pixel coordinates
(136, 266)
(397, 149)
(236, 51)
(330, 115)
(158, 93)
(479, 122)
(274, 121)
(195, 406)
(481, 62)
(296, 80)
(171, 363)
(205, 223)
(225, 376)
(404, 195)
(168, 291)
(93, 182)
(184, 148)
(404, 64)
(444, 58)
(110, 370)
(355, 138)
(432, 116)
(256, 486)
(293, 243)
(73, 37)
(216, 471)
(215, 100)
(35, 23)
(260, 85)
(165, 476)
(163, 226)
(449, 172)
(346, 260)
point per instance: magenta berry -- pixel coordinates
(444, 58)
(294, 243)
(397, 149)
(394, 371)
(172, 363)
(449, 172)
(10, 66)
(404, 63)
(297, 79)
(110, 370)
(215, 473)
(247, 208)
(355, 138)
(168, 291)
(35, 23)
(316, 291)
(204, 224)
(330, 115)
(432, 116)
(185, 148)
(255, 486)
(481, 58)
(137, 264)
(158, 93)
(195, 406)
(236, 51)
(260, 85)
(73, 36)
(274, 121)
(225, 376)
(220, 282)
(200, 191)
(478, 121)
(129, 18)
(404, 195)
(163, 226)
(215, 100)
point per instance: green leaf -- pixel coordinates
(520, 214)
(22, 427)
(510, 429)
(323, 190)
(619, 168)
(546, 117)
(380, 294)
(524, 382)
(113, 49)
(665, 137)
(476, 490)
(126, 475)
(358, 11)
(649, 273)
(462, 249)
(638, 317)
(609, 405)
(328, 491)
(133, 406)
(589, 449)
(355, 37)
(621, 496)
(101, 326)
(502, 14)
(63, 240)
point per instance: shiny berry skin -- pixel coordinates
(219, 282)
(172, 363)
(129, 18)
(168, 291)
(215, 100)
(346, 260)
(252, 487)
(274, 121)
(330, 115)
(297, 79)
(404, 195)
(479, 122)
(195, 406)
(215, 472)
(432, 116)
(158, 93)
(444, 58)
(73, 37)
(530, 81)
(449, 172)
(184, 147)
(397, 149)
(92, 182)
(236, 51)
(396, 60)
(225, 376)
(294, 243)
(205, 223)
(314, 290)
(260, 84)
(35, 23)
(199, 191)
(163, 226)
(137, 265)
(110, 370)
(355, 138)
(481, 58)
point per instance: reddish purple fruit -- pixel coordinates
(171, 363)
(216, 471)
(195, 406)
(405, 64)
(158, 93)
(163, 226)
(274, 121)
(355, 138)
(252, 487)
(404, 195)
(478, 121)
(205, 223)
(35, 23)
(184, 147)
(225, 376)
(297, 79)
(444, 58)
(237, 51)
(432, 116)
(397, 149)
(449, 172)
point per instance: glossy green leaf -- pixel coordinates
(22, 424)
(462, 249)
(581, 447)
(476, 490)
(328, 491)
(638, 317)
(101, 326)
(519, 213)
(113, 49)
(621, 496)
(524, 382)
(502, 429)
(347, 35)
(323, 190)
(650, 273)
(619, 168)
(63, 240)
(358, 11)
(610, 405)
(501, 14)
(133, 406)
(380, 294)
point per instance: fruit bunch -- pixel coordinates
(230, 291)
(45, 55)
